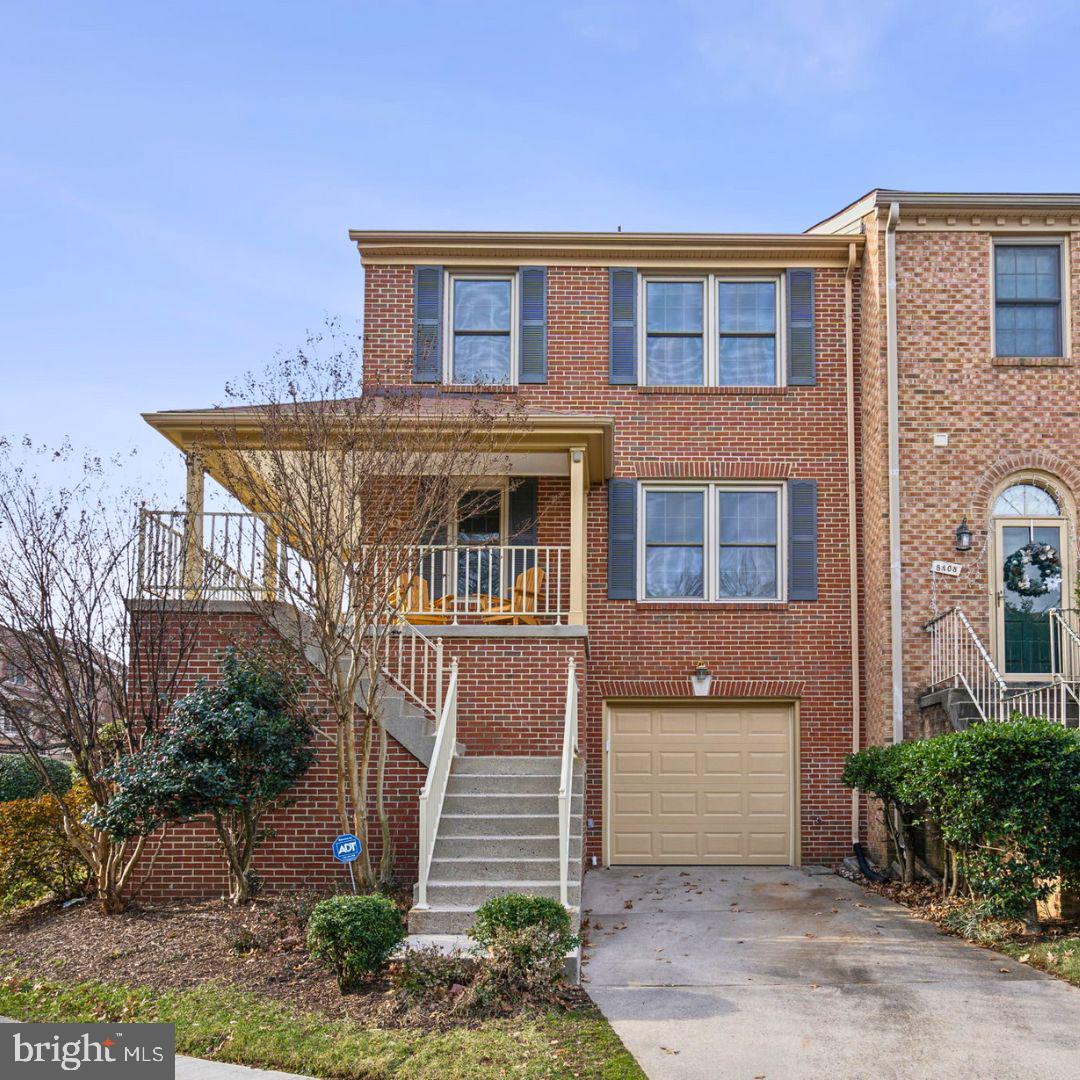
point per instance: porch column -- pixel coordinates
(193, 525)
(577, 537)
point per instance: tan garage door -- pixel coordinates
(701, 785)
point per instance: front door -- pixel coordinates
(1031, 570)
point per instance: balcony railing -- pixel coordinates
(237, 556)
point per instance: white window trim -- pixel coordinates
(710, 324)
(1065, 304)
(711, 542)
(495, 483)
(449, 277)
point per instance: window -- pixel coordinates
(711, 331)
(711, 542)
(1026, 500)
(481, 328)
(1027, 299)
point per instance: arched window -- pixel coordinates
(1026, 500)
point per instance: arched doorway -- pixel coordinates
(1030, 575)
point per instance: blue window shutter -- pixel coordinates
(802, 346)
(802, 540)
(523, 505)
(532, 364)
(622, 349)
(427, 324)
(622, 539)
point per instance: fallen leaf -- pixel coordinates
(668, 1050)
(628, 904)
(1025, 958)
(815, 986)
(598, 925)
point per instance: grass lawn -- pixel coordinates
(233, 1025)
(1059, 956)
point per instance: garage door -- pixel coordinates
(708, 785)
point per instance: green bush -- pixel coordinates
(518, 912)
(19, 779)
(1005, 797)
(354, 935)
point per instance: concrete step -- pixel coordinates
(451, 919)
(500, 867)
(517, 847)
(473, 893)
(488, 805)
(508, 765)
(508, 783)
(525, 824)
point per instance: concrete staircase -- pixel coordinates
(499, 834)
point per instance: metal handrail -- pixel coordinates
(566, 779)
(959, 658)
(434, 791)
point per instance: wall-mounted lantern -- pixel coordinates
(963, 536)
(701, 680)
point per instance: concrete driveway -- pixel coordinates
(717, 972)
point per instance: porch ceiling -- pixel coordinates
(539, 446)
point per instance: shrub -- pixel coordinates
(1005, 797)
(36, 858)
(428, 975)
(19, 779)
(232, 751)
(523, 965)
(354, 935)
(518, 912)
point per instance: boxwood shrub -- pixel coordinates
(354, 935)
(20, 780)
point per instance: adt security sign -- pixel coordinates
(346, 848)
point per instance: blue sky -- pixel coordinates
(176, 181)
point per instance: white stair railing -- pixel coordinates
(1052, 701)
(566, 779)
(958, 658)
(434, 792)
(1065, 643)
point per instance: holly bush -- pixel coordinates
(1005, 797)
(36, 859)
(231, 750)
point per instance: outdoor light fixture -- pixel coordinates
(963, 536)
(702, 680)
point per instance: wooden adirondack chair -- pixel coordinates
(525, 598)
(411, 598)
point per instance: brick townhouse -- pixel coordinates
(741, 455)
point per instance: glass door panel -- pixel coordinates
(1025, 598)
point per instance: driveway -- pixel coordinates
(717, 972)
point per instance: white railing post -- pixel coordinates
(434, 790)
(566, 779)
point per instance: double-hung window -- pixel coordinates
(1027, 299)
(711, 542)
(711, 330)
(481, 323)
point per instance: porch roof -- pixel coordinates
(541, 438)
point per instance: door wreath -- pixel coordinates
(1018, 566)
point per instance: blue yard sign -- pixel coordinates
(346, 848)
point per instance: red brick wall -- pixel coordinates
(792, 431)
(186, 860)
(1001, 419)
(512, 693)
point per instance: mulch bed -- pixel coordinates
(259, 947)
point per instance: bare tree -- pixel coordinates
(93, 679)
(351, 482)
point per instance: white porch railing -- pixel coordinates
(566, 779)
(434, 792)
(493, 582)
(958, 658)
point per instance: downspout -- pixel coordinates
(892, 366)
(853, 536)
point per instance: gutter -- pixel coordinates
(853, 536)
(892, 365)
